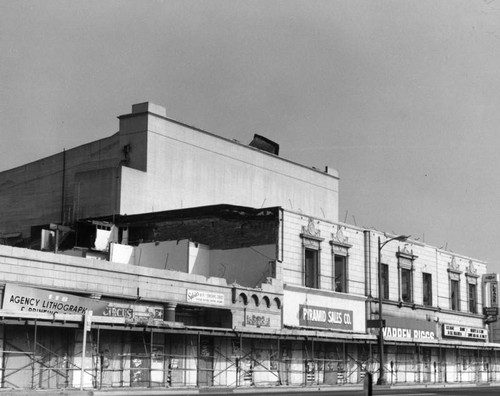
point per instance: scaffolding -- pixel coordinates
(43, 355)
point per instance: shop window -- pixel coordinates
(311, 247)
(472, 297)
(427, 289)
(405, 265)
(385, 281)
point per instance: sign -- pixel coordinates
(119, 312)
(464, 332)
(258, 320)
(203, 297)
(374, 323)
(311, 316)
(135, 313)
(490, 293)
(490, 277)
(408, 329)
(88, 320)
(30, 299)
(490, 311)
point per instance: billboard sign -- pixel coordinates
(409, 329)
(457, 331)
(312, 316)
(30, 299)
(204, 297)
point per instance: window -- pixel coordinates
(455, 294)
(340, 257)
(311, 270)
(340, 274)
(405, 267)
(385, 281)
(406, 289)
(454, 274)
(472, 298)
(427, 289)
(311, 248)
(472, 280)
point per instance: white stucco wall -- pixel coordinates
(293, 261)
(338, 309)
(188, 168)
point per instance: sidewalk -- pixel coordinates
(212, 390)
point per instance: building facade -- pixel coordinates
(241, 276)
(154, 163)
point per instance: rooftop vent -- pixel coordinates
(264, 144)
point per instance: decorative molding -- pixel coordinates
(405, 253)
(405, 258)
(339, 242)
(453, 266)
(339, 237)
(310, 231)
(471, 270)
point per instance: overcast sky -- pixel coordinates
(401, 97)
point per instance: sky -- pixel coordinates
(401, 97)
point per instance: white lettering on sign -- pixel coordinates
(464, 332)
(397, 332)
(324, 317)
(494, 294)
(319, 315)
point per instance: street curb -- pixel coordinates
(243, 390)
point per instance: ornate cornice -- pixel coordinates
(310, 231)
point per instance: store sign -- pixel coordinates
(490, 277)
(465, 332)
(119, 312)
(30, 299)
(490, 311)
(490, 286)
(311, 316)
(203, 297)
(134, 312)
(258, 320)
(494, 294)
(407, 329)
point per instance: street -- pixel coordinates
(337, 391)
(450, 391)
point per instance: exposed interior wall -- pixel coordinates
(229, 229)
(199, 259)
(246, 266)
(171, 255)
(124, 254)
